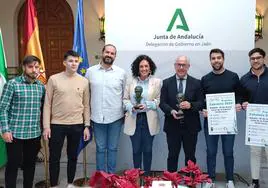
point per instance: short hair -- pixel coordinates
(187, 58)
(216, 50)
(136, 63)
(257, 50)
(70, 53)
(29, 59)
(104, 47)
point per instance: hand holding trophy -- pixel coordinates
(138, 97)
(180, 114)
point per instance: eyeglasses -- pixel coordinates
(180, 65)
(255, 58)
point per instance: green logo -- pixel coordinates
(178, 13)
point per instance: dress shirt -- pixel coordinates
(106, 90)
(183, 82)
(20, 106)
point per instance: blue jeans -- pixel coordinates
(227, 148)
(106, 138)
(142, 144)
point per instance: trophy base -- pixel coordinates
(81, 182)
(42, 184)
(181, 121)
(180, 116)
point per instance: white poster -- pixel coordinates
(221, 113)
(256, 125)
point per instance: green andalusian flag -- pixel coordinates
(3, 77)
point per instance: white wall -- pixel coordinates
(93, 9)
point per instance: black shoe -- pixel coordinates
(254, 185)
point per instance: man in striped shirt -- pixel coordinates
(20, 109)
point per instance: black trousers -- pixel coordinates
(174, 140)
(58, 134)
(18, 150)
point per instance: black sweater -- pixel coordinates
(225, 82)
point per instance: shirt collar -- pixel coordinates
(25, 80)
(184, 78)
(101, 67)
(220, 72)
(147, 79)
(264, 70)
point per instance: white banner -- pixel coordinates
(147, 27)
(256, 125)
(221, 113)
(180, 25)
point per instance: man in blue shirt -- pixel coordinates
(107, 83)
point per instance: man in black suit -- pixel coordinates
(181, 129)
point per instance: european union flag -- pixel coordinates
(79, 39)
(80, 47)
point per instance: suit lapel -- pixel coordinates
(174, 86)
(133, 85)
(150, 88)
(188, 85)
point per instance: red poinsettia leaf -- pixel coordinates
(133, 172)
(100, 179)
(172, 176)
(133, 175)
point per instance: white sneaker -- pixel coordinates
(209, 185)
(230, 184)
(70, 186)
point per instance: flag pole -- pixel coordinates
(85, 164)
(81, 182)
(44, 183)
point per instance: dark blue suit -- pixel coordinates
(177, 133)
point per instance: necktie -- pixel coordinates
(180, 90)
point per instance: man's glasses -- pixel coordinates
(255, 58)
(180, 65)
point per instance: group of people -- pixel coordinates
(105, 100)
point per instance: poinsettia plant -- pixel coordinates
(191, 176)
(174, 177)
(102, 179)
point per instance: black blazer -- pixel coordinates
(168, 102)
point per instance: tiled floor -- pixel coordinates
(40, 172)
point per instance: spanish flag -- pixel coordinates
(31, 37)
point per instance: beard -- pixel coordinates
(32, 76)
(216, 68)
(107, 60)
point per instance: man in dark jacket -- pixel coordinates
(255, 85)
(181, 128)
